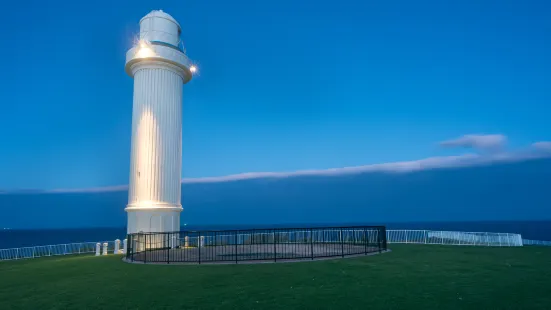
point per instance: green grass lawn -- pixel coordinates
(409, 277)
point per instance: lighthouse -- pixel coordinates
(160, 68)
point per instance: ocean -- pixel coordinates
(535, 230)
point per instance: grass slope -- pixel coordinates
(410, 277)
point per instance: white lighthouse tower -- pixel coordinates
(160, 69)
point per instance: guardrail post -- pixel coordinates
(365, 241)
(65, 251)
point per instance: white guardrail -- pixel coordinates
(356, 235)
(393, 236)
(53, 250)
(454, 238)
(536, 242)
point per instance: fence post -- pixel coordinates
(235, 232)
(145, 249)
(312, 243)
(133, 244)
(275, 247)
(379, 233)
(167, 247)
(342, 243)
(385, 243)
(425, 235)
(65, 252)
(199, 246)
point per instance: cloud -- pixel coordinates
(544, 146)
(535, 151)
(479, 142)
(115, 188)
(466, 160)
(395, 167)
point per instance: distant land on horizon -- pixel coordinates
(499, 192)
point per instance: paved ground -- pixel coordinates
(254, 252)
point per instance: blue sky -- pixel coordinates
(283, 85)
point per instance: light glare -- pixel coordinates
(193, 69)
(144, 52)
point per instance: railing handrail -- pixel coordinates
(59, 244)
(236, 245)
(417, 236)
(258, 229)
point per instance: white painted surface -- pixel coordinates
(156, 151)
(98, 248)
(160, 26)
(124, 246)
(117, 246)
(104, 248)
(173, 241)
(179, 61)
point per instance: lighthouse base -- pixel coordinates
(153, 219)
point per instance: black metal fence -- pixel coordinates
(255, 244)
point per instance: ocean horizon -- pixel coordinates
(13, 238)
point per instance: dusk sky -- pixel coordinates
(282, 85)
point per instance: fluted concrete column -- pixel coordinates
(159, 69)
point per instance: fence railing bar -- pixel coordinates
(317, 237)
